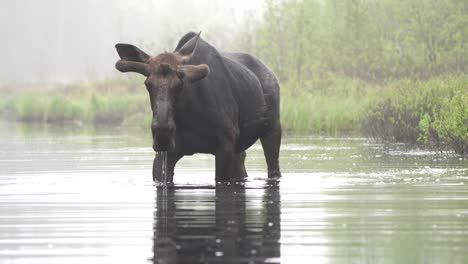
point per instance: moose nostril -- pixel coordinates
(163, 135)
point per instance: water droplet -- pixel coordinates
(219, 253)
(218, 240)
(163, 167)
(270, 224)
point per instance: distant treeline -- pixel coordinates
(366, 39)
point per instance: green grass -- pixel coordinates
(432, 112)
(327, 106)
(105, 102)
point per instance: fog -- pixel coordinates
(61, 41)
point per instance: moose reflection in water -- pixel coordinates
(191, 226)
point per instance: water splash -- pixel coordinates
(164, 167)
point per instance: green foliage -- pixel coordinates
(433, 112)
(104, 102)
(329, 105)
(30, 107)
(400, 47)
(114, 109)
(371, 40)
(430, 112)
(61, 109)
(451, 122)
(425, 128)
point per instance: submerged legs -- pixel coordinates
(230, 167)
(171, 160)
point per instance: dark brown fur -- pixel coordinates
(205, 102)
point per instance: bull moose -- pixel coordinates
(204, 101)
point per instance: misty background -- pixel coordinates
(63, 41)
(389, 69)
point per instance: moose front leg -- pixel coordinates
(224, 165)
(171, 160)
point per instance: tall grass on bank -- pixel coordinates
(328, 106)
(96, 109)
(99, 103)
(432, 112)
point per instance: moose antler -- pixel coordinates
(132, 66)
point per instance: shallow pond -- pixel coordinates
(77, 196)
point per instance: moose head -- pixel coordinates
(166, 76)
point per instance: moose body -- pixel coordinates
(204, 101)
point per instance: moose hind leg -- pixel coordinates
(271, 147)
(171, 160)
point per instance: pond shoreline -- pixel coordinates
(430, 113)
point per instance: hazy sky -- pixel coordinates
(58, 40)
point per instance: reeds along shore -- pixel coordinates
(433, 112)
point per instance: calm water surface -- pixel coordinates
(76, 196)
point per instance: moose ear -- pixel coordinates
(131, 53)
(184, 40)
(132, 59)
(187, 50)
(193, 73)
